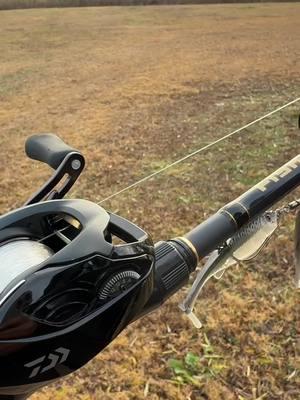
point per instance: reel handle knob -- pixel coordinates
(48, 148)
(67, 162)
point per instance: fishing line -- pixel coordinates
(208, 146)
(52, 234)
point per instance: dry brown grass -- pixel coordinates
(20, 4)
(134, 88)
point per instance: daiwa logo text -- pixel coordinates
(44, 363)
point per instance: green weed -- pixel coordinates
(196, 369)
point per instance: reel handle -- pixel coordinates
(67, 162)
(48, 148)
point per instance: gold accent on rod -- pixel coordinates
(245, 208)
(191, 246)
(231, 216)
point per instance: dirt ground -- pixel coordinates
(136, 88)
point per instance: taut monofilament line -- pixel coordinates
(200, 150)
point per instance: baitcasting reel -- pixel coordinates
(66, 288)
(73, 276)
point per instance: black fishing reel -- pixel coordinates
(73, 276)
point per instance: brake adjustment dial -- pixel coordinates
(117, 284)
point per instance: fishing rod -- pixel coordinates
(68, 287)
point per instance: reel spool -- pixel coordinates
(18, 256)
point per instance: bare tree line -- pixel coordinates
(15, 4)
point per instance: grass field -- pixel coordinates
(22, 4)
(135, 88)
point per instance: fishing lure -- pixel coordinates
(244, 245)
